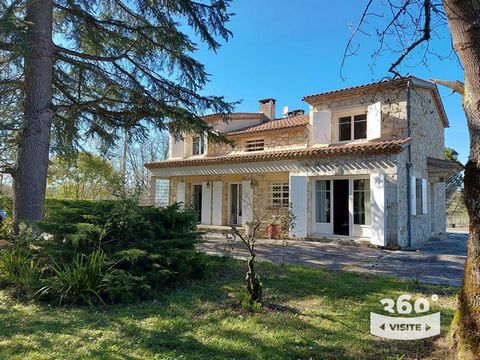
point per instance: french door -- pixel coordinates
(197, 201)
(235, 204)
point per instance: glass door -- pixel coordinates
(197, 201)
(235, 205)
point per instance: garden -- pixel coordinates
(111, 279)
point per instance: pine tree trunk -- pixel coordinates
(463, 17)
(30, 175)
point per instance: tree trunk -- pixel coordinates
(30, 176)
(463, 19)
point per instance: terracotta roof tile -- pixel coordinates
(374, 147)
(284, 123)
(358, 87)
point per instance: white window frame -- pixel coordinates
(368, 214)
(330, 192)
(284, 188)
(322, 229)
(162, 192)
(202, 144)
(351, 113)
(258, 145)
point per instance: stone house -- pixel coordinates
(365, 163)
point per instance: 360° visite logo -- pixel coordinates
(405, 327)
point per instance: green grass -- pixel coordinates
(310, 313)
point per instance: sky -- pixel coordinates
(288, 49)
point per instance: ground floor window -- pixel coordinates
(279, 195)
(361, 202)
(162, 189)
(322, 201)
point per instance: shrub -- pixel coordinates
(124, 287)
(22, 270)
(81, 281)
(148, 250)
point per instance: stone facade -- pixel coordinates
(273, 140)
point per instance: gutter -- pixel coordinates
(409, 170)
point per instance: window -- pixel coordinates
(279, 195)
(254, 145)
(322, 201)
(418, 196)
(198, 145)
(360, 127)
(352, 127)
(361, 202)
(345, 128)
(162, 187)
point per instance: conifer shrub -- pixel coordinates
(146, 250)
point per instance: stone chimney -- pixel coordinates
(267, 107)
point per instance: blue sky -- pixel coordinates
(288, 49)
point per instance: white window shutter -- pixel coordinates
(413, 194)
(176, 148)
(321, 127)
(374, 121)
(298, 200)
(378, 209)
(247, 202)
(206, 217)
(424, 197)
(217, 203)
(181, 193)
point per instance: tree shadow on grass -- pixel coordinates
(199, 322)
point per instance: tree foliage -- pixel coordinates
(73, 69)
(85, 177)
(117, 63)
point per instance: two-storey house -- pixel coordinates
(365, 163)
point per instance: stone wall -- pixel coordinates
(273, 140)
(427, 133)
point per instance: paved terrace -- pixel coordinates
(435, 261)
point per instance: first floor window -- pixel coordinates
(279, 195)
(352, 127)
(360, 126)
(162, 189)
(345, 128)
(322, 201)
(361, 202)
(199, 145)
(254, 145)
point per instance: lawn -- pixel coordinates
(311, 313)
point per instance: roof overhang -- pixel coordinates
(443, 169)
(374, 147)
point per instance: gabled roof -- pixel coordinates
(377, 86)
(283, 123)
(352, 89)
(374, 147)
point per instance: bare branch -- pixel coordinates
(425, 37)
(348, 51)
